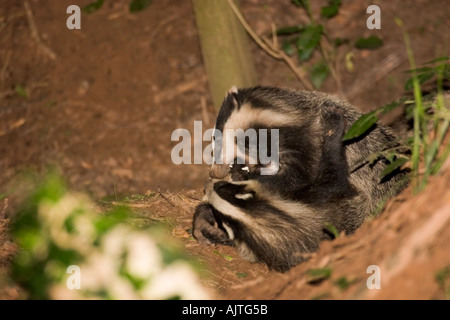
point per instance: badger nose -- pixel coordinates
(219, 171)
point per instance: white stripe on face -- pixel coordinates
(246, 115)
(229, 231)
(243, 119)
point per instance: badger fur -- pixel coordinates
(278, 219)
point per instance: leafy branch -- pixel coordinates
(431, 121)
(299, 43)
(272, 48)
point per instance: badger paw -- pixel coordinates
(205, 228)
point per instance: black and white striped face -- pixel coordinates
(273, 133)
(245, 134)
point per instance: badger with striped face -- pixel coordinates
(277, 211)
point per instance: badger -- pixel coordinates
(281, 218)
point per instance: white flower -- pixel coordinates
(56, 215)
(176, 280)
(144, 258)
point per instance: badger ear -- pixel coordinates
(333, 122)
(232, 90)
(229, 104)
(231, 100)
(231, 96)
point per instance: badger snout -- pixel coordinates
(219, 171)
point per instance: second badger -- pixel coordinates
(278, 218)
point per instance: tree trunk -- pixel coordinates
(225, 48)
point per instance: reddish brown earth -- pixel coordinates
(103, 101)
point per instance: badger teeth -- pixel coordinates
(245, 169)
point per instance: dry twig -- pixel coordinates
(35, 34)
(4, 67)
(165, 198)
(272, 48)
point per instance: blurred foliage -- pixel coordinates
(370, 43)
(319, 73)
(343, 283)
(139, 5)
(305, 40)
(430, 116)
(433, 69)
(332, 230)
(315, 276)
(308, 40)
(57, 228)
(134, 7)
(331, 10)
(21, 91)
(94, 6)
(442, 278)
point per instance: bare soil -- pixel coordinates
(102, 102)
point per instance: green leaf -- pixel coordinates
(361, 126)
(241, 274)
(139, 5)
(286, 31)
(340, 41)
(430, 154)
(300, 3)
(370, 43)
(94, 6)
(391, 106)
(321, 296)
(390, 157)
(438, 60)
(137, 197)
(420, 70)
(319, 73)
(332, 229)
(318, 275)
(331, 10)
(397, 163)
(343, 283)
(135, 281)
(442, 276)
(21, 91)
(308, 40)
(228, 258)
(288, 48)
(422, 77)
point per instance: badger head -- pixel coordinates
(288, 140)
